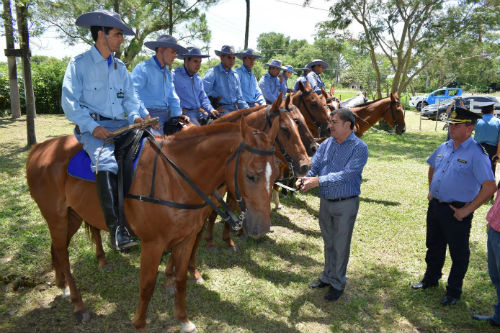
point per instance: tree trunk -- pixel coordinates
(15, 104)
(247, 24)
(171, 17)
(22, 25)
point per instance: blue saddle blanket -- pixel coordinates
(79, 166)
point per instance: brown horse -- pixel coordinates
(289, 150)
(313, 109)
(235, 154)
(370, 113)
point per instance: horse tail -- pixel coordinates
(88, 232)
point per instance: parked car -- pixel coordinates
(438, 95)
(475, 101)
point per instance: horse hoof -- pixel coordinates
(188, 327)
(234, 248)
(199, 280)
(170, 290)
(66, 292)
(82, 316)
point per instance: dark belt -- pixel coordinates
(458, 204)
(342, 199)
(97, 117)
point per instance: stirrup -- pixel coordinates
(123, 240)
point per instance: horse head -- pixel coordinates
(329, 101)
(316, 115)
(252, 177)
(394, 115)
(290, 147)
(305, 134)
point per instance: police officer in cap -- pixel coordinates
(487, 133)
(460, 180)
(97, 93)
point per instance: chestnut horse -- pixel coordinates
(314, 110)
(234, 154)
(370, 113)
(288, 145)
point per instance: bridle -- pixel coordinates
(393, 114)
(226, 214)
(269, 121)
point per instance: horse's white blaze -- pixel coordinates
(269, 171)
(293, 123)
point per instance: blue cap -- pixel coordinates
(103, 18)
(225, 49)
(249, 53)
(317, 62)
(289, 68)
(165, 41)
(192, 52)
(275, 63)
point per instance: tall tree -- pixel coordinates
(409, 33)
(271, 44)
(15, 105)
(182, 18)
(22, 25)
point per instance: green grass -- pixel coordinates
(263, 287)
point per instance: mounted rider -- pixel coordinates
(97, 93)
(285, 75)
(306, 70)
(154, 83)
(270, 83)
(222, 83)
(317, 67)
(249, 87)
(189, 87)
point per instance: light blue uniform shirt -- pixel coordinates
(155, 86)
(302, 79)
(270, 87)
(90, 85)
(315, 82)
(226, 84)
(459, 173)
(190, 90)
(249, 88)
(339, 167)
(487, 130)
(284, 84)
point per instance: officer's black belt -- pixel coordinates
(458, 204)
(342, 199)
(97, 117)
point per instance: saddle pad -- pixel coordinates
(79, 166)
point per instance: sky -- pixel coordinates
(226, 20)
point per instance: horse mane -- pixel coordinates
(200, 131)
(235, 115)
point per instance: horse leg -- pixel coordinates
(170, 276)
(181, 255)
(99, 251)
(193, 271)
(61, 230)
(150, 260)
(226, 234)
(209, 233)
(275, 197)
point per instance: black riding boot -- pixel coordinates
(108, 196)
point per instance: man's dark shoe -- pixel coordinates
(333, 294)
(123, 239)
(489, 319)
(449, 300)
(318, 284)
(424, 285)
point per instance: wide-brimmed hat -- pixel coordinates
(192, 52)
(289, 68)
(103, 18)
(275, 63)
(460, 114)
(249, 53)
(317, 62)
(226, 50)
(165, 41)
(303, 69)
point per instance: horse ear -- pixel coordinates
(243, 128)
(332, 90)
(302, 87)
(288, 99)
(323, 92)
(274, 129)
(277, 103)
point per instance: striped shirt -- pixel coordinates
(339, 167)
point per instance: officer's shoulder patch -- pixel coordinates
(482, 148)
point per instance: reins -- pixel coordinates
(226, 214)
(313, 119)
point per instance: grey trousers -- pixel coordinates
(336, 221)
